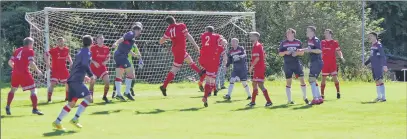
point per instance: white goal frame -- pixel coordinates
(46, 30)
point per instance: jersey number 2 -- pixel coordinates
(207, 40)
(19, 55)
(172, 32)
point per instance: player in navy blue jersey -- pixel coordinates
(290, 49)
(125, 45)
(314, 49)
(77, 88)
(238, 58)
(377, 60)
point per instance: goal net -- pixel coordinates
(72, 23)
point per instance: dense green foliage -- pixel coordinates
(272, 19)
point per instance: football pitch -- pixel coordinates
(181, 115)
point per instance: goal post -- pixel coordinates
(72, 23)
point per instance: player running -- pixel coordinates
(329, 47)
(237, 56)
(59, 72)
(100, 57)
(314, 48)
(22, 59)
(212, 48)
(125, 45)
(258, 68)
(178, 33)
(290, 49)
(77, 88)
(377, 60)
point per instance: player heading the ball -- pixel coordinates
(178, 33)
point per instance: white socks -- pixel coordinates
(230, 89)
(246, 88)
(288, 92)
(118, 85)
(381, 92)
(81, 108)
(128, 85)
(304, 91)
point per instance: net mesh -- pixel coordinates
(72, 25)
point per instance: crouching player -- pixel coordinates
(377, 60)
(209, 59)
(290, 49)
(237, 57)
(258, 67)
(77, 88)
(314, 48)
(100, 57)
(23, 58)
(122, 62)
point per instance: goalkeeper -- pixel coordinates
(237, 57)
(133, 63)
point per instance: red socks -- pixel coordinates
(34, 101)
(208, 90)
(202, 78)
(169, 78)
(195, 68)
(106, 90)
(10, 98)
(254, 95)
(266, 95)
(337, 87)
(49, 96)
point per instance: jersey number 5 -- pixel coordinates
(172, 32)
(207, 40)
(19, 55)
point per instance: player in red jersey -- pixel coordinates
(258, 67)
(59, 72)
(100, 56)
(212, 48)
(23, 58)
(329, 47)
(178, 33)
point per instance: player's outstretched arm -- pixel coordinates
(11, 63)
(367, 62)
(162, 40)
(115, 44)
(69, 58)
(192, 40)
(35, 67)
(46, 59)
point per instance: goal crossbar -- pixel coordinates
(147, 11)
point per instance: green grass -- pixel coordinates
(181, 115)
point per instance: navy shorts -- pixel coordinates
(377, 73)
(122, 62)
(242, 74)
(315, 69)
(290, 69)
(77, 90)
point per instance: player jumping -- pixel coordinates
(77, 88)
(100, 57)
(59, 72)
(290, 49)
(237, 57)
(258, 67)
(125, 45)
(314, 48)
(23, 58)
(178, 33)
(212, 48)
(329, 47)
(377, 60)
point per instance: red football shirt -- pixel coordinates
(100, 54)
(176, 32)
(210, 42)
(329, 47)
(58, 58)
(258, 52)
(21, 58)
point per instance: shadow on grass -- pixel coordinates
(227, 101)
(302, 107)
(109, 103)
(105, 112)
(12, 116)
(192, 109)
(196, 97)
(43, 103)
(156, 111)
(244, 109)
(58, 133)
(368, 102)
